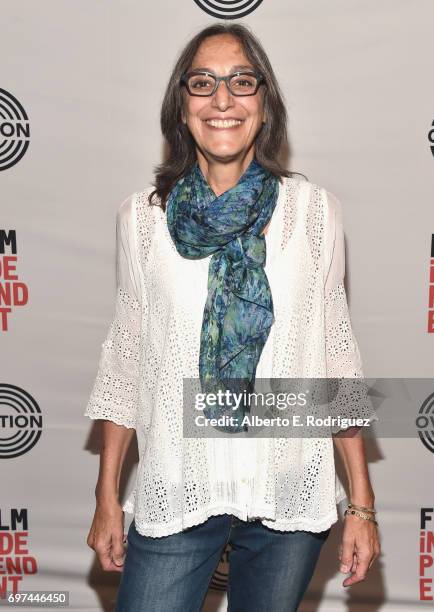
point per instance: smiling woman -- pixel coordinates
(229, 270)
(222, 105)
(189, 121)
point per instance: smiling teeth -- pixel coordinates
(223, 123)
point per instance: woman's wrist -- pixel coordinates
(363, 497)
(106, 493)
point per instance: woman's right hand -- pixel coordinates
(106, 536)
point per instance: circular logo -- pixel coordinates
(431, 138)
(14, 130)
(20, 421)
(425, 423)
(228, 9)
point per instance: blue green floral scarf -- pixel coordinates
(238, 311)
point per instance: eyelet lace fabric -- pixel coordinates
(153, 342)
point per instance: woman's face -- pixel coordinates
(222, 55)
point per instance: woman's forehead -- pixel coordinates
(220, 52)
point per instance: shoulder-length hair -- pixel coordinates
(270, 140)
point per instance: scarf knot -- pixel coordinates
(246, 251)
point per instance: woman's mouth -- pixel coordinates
(223, 123)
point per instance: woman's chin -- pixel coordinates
(225, 153)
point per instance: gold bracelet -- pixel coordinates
(362, 515)
(362, 508)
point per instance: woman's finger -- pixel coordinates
(354, 565)
(347, 554)
(363, 559)
(118, 551)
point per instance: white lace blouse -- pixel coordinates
(153, 342)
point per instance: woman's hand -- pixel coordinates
(359, 548)
(106, 536)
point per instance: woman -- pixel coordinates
(197, 298)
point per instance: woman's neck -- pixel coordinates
(223, 176)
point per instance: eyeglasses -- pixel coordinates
(204, 83)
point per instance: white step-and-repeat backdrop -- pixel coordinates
(81, 85)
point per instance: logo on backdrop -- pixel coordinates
(13, 292)
(426, 554)
(14, 130)
(14, 549)
(431, 290)
(20, 421)
(425, 423)
(431, 138)
(229, 9)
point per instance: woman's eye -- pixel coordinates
(200, 84)
(244, 83)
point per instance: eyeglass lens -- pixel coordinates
(240, 84)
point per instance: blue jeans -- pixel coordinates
(269, 570)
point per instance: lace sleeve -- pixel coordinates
(343, 357)
(115, 391)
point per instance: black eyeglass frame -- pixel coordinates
(260, 79)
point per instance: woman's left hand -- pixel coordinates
(359, 548)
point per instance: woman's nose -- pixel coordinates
(222, 97)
